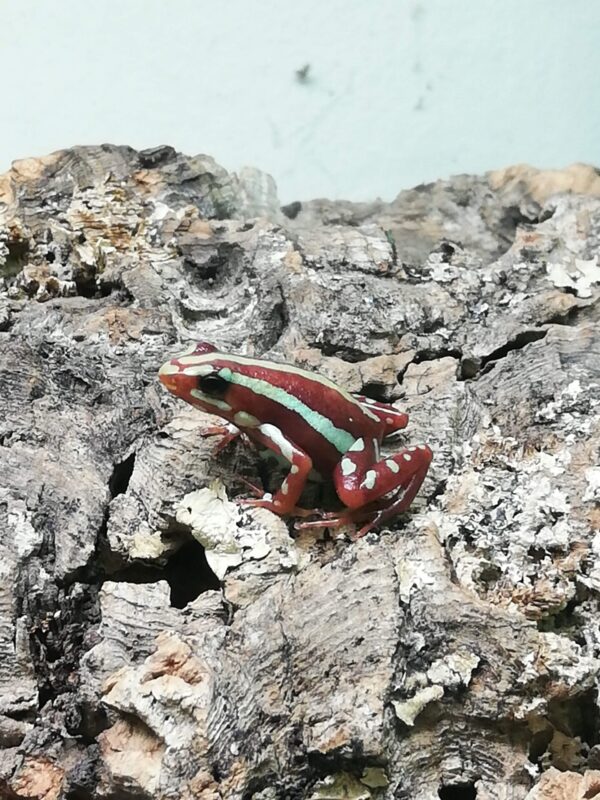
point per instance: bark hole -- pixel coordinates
(375, 391)
(514, 217)
(460, 791)
(189, 574)
(208, 266)
(16, 258)
(86, 285)
(119, 480)
(428, 354)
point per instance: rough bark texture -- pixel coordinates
(158, 642)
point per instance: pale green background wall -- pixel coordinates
(398, 91)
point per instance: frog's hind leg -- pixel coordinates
(374, 490)
(389, 416)
(387, 486)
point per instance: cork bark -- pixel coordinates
(157, 640)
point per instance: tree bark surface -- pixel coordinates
(158, 641)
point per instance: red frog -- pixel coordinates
(309, 422)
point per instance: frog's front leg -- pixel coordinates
(226, 431)
(284, 501)
(383, 488)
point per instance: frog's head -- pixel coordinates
(193, 376)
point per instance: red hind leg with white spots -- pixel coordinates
(361, 479)
(375, 489)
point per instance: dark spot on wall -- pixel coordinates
(458, 791)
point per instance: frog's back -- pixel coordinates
(318, 416)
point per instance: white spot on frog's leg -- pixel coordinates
(422, 447)
(389, 420)
(212, 401)
(285, 487)
(267, 496)
(357, 447)
(376, 449)
(294, 469)
(406, 456)
(369, 481)
(276, 436)
(348, 466)
(368, 400)
(392, 465)
(168, 369)
(245, 420)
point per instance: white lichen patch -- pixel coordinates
(564, 404)
(25, 538)
(408, 710)
(454, 670)
(449, 672)
(580, 275)
(560, 659)
(592, 478)
(147, 544)
(215, 522)
(412, 575)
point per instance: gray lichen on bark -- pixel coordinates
(155, 640)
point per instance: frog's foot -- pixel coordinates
(229, 433)
(305, 512)
(253, 488)
(265, 500)
(327, 519)
(371, 517)
(379, 512)
(344, 519)
(372, 523)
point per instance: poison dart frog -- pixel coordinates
(309, 422)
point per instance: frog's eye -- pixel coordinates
(213, 385)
